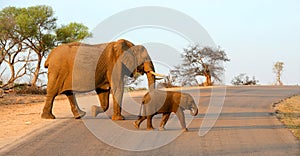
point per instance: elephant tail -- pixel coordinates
(143, 102)
(46, 64)
(146, 98)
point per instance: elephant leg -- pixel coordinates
(164, 120)
(116, 80)
(47, 110)
(77, 112)
(104, 101)
(149, 122)
(139, 121)
(117, 110)
(180, 116)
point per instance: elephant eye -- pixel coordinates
(140, 68)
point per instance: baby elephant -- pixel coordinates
(165, 102)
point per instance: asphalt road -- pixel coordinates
(246, 126)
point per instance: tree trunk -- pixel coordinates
(207, 75)
(208, 81)
(37, 71)
(279, 79)
(279, 82)
(12, 79)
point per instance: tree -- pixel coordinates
(200, 61)
(28, 34)
(167, 82)
(72, 32)
(41, 40)
(277, 69)
(243, 79)
(38, 23)
(13, 52)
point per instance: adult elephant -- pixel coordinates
(77, 67)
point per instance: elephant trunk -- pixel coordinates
(194, 111)
(148, 69)
(151, 81)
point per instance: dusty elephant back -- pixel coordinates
(85, 66)
(72, 67)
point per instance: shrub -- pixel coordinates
(28, 89)
(243, 79)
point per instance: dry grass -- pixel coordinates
(288, 112)
(21, 99)
(10, 99)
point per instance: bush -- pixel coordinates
(28, 89)
(243, 79)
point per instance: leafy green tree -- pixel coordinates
(11, 44)
(200, 61)
(38, 23)
(28, 34)
(72, 32)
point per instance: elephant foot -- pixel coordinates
(80, 114)
(136, 125)
(161, 128)
(117, 117)
(150, 129)
(96, 110)
(47, 116)
(184, 130)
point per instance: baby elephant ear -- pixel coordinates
(184, 101)
(129, 60)
(187, 102)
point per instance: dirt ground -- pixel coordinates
(20, 115)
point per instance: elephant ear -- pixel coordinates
(184, 101)
(128, 59)
(143, 58)
(141, 54)
(125, 55)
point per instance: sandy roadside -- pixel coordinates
(19, 120)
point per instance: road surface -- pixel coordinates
(246, 126)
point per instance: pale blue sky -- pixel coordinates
(254, 33)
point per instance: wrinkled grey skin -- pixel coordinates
(77, 67)
(166, 102)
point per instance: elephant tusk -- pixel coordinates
(159, 78)
(159, 75)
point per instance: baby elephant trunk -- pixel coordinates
(194, 111)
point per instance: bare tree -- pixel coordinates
(181, 77)
(277, 69)
(17, 59)
(132, 82)
(167, 82)
(200, 61)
